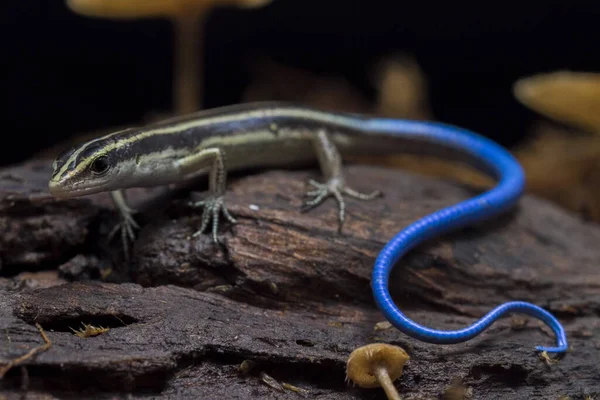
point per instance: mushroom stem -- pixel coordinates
(187, 69)
(386, 383)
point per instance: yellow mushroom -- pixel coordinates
(377, 365)
(569, 97)
(187, 17)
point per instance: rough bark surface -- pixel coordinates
(286, 292)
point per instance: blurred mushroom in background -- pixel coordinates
(563, 164)
(572, 98)
(188, 17)
(403, 89)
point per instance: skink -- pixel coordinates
(282, 135)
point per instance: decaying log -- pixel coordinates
(285, 293)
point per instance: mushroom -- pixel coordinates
(188, 18)
(565, 96)
(377, 365)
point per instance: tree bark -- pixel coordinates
(285, 293)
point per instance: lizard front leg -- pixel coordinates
(127, 224)
(212, 159)
(330, 162)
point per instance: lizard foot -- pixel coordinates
(336, 188)
(212, 206)
(127, 226)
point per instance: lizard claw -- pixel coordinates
(127, 226)
(212, 206)
(337, 188)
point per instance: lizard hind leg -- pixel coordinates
(335, 186)
(337, 190)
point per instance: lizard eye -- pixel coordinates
(100, 165)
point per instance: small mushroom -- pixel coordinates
(377, 365)
(565, 96)
(188, 18)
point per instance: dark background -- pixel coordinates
(63, 73)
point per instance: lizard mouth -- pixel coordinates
(61, 192)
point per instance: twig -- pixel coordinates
(30, 354)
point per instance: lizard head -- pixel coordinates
(88, 168)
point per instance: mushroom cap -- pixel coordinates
(120, 8)
(565, 96)
(363, 361)
(131, 9)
